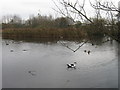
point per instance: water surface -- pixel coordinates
(38, 65)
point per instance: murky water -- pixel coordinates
(38, 65)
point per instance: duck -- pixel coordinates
(24, 50)
(11, 50)
(92, 44)
(72, 65)
(85, 50)
(7, 44)
(89, 52)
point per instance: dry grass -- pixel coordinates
(65, 33)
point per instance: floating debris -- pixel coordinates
(24, 50)
(68, 81)
(13, 42)
(11, 50)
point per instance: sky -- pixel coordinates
(25, 8)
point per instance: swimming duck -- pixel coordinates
(72, 65)
(24, 50)
(7, 44)
(11, 50)
(89, 52)
(85, 51)
(92, 44)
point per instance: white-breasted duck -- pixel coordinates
(72, 65)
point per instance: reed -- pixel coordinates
(88, 32)
(66, 33)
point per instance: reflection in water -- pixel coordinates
(33, 73)
(94, 40)
(39, 65)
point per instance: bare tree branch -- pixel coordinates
(60, 11)
(76, 48)
(106, 6)
(79, 12)
(71, 9)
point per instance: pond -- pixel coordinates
(40, 65)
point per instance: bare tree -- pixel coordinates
(6, 19)
(16, 20)
(76, 9)
(11, 19)
(110, 9)
(106, 6)
(118, 15)
(73, 9)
